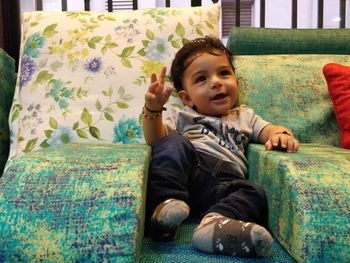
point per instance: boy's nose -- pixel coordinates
(215, 82)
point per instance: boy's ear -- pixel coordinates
(183, 95)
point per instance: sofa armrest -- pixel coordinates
(308, 197)
(75, 203)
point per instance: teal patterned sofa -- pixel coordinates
(73, 188)
(282, 78)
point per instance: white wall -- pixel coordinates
(97, 5)
(27, 5)
(75, 5)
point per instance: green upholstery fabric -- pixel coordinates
(290, 90)
(257, 41)
(308, 198)
(75, 203)
(182, 251)
(7, 88)
(280, 76)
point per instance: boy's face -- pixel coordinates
(209, 84)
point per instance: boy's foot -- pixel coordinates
(222, 235)
(166, 219)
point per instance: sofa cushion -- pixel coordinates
(83, 75)
(74, 203)
(290, 90)
(263, 41)
(308, 197)
(338, 81)
(7, 88)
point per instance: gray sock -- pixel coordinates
(170, 212)
(222, 235)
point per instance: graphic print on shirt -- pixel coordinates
(224, 135)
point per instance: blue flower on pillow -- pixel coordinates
(93, 65)
(33, 43)
(60, 93)
(128, 131)
(157, 49)
(60, 136)
(28, 68)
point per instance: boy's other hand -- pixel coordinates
(281, 141)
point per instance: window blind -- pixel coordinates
(229, 14)
(113, 5)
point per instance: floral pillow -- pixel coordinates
(83, 75)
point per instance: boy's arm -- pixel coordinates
(153, 127)
(155, 98)
(278, 137)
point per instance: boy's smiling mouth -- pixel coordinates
(219, 96)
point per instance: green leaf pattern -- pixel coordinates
(81, 74)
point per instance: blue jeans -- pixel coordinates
(204, 182)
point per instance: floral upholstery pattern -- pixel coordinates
(82, 75)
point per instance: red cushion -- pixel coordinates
(338, 81)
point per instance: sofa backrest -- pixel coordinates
(263, 41)
(283, 81)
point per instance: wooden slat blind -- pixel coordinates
(236, 13)
(113, 5)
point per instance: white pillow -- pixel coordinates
(83, 75)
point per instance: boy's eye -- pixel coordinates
(200, 79)
(225, 72)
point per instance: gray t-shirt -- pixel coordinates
(224, 137)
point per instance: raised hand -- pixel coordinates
(157, 95)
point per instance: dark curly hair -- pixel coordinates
(208, 44)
